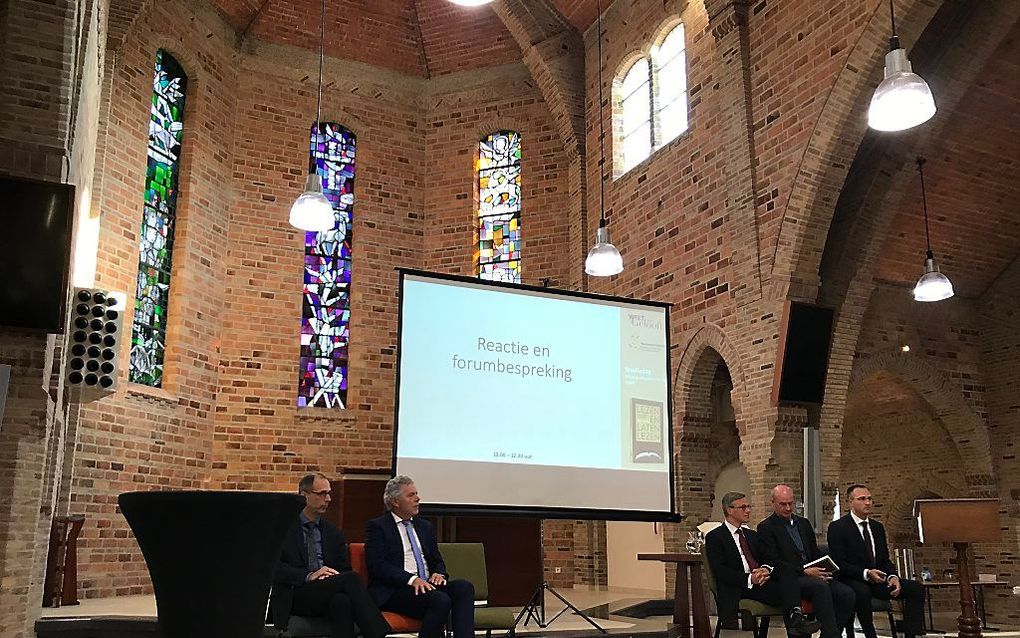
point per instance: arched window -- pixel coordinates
(651, 100)
(499, 207)
(636, 114)
(326, 308)
(670, 60)
(159, 216)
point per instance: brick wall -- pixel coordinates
(726, 222)
(48, 113)
(917, 423)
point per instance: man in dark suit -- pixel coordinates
(406, 572)
(789, 540)
(315, 572)
(858, 545)
(734, 554)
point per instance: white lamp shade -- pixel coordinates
(603, 259)
(903, 99)
(311, 210)
(470, 3)
(933, 285)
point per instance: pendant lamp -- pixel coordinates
(311, 211)
(933, 285)
(903, 99)
(603, 259)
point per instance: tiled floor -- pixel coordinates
(600, 602)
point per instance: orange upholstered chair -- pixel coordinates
(398, 623)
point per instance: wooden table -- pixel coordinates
(688, 570)
(978, 587)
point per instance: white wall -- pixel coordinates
(624, 541)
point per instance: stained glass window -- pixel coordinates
(499, 207)
(152, 293)
(326, 309)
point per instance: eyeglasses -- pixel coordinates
(740, 507)
(322, 493)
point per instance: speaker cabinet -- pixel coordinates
(803, 357)
(94, 339)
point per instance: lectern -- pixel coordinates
(960, 521)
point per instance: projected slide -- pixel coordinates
(511, 397)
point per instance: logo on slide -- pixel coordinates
(642, 321)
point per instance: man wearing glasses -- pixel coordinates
(857, 543)
(315, 572)
(735, 554)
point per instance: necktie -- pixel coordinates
(867, 543)
(311, 547)
(418, 559)
(746, 549)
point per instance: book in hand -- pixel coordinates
(825, 563)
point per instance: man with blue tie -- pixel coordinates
(406, 572)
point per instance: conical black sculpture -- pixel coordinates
(211, 556)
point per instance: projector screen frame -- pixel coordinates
(453, 509)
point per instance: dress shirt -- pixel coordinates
(316, 538)
(857, 523)
(798, 542)
(410, 565)
(743, 559)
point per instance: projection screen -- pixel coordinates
(517, 399)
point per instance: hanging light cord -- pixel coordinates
(602, 128)
(318, 96)
(894, 40)
(924, 205)
(322, 46)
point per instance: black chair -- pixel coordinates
(877, 604)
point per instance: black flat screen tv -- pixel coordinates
(36, 223)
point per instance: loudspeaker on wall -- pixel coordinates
(94, 339)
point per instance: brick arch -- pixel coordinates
(709, 337)
(836, 135)
(666, 26)
(696, 458)
(501, 123)
(967, 430)
(339, 115)
(928, 486)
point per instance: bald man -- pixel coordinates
(789, 540)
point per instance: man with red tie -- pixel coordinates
(733, 552)
(858, 545)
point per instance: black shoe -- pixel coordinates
(798, 625)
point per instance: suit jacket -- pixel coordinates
(847, 548)
(727, 568)
(384, 555)
(292, 568)
(779, 548)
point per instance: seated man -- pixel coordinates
(857, 544)
(406, 572)
(789, 540)
(315, 571)
(733, 553)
